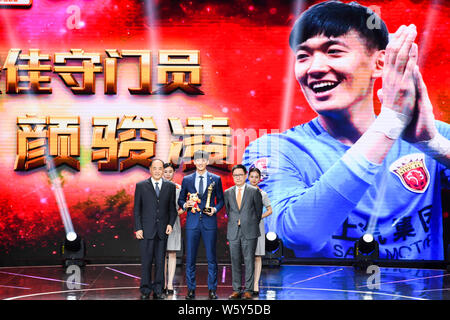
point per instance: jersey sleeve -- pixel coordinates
(307, 213)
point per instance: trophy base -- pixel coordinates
(207, 211)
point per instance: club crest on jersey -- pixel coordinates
(262, 165)
(412, 172)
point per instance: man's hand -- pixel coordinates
(398, 101)
(421, 130)
(213, 210)
(190, 203)
(399, 92)
(422, 126)
(139, 234)
(169, 229)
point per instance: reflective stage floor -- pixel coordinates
(288, 282)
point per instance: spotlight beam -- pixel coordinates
(60, 198)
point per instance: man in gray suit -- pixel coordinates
(244, 206)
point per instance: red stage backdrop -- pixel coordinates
(95, 89)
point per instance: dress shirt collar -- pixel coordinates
(204, 175)
(241, 187)
(160, 181)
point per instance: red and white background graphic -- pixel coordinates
(94, 77)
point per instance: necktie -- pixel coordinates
(200, 187)
(157, 189)
(239, 198)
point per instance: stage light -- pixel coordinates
(366, 251)
(72, 242)
(73, 250)
(271, 241)
(71, 236)
(366, 243)
(274, 250)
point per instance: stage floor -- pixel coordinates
(288, 282)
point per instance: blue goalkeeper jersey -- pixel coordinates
(325, 198)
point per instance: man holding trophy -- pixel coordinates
(203, 223)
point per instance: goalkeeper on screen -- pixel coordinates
(348, 171)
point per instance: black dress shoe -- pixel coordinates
(158, 296)
(190, 295)
(255, 293)
(212, 295)
(145, 296)
(169, 292)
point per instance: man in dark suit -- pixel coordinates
(201, 224)
(244, 206)
(154, 216)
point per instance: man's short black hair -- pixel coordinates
(334, 19)
(201, 154)
(239, 166)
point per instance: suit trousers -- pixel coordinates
(209, 237)
(242, 247)
(152, 250)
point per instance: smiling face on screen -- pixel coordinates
(337, 73)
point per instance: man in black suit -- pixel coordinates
(154, 216)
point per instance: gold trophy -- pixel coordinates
(208, 209)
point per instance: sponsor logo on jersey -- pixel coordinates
(412, 172)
